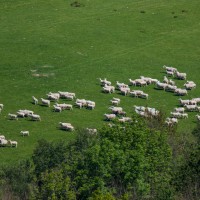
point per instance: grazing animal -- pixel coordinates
(12, 116)
(92, 130)
(35, 100)
(12, 143)
(35, 117)
(110, 116)
(180, 110)
(24, 133)
(66, 126)
(57, 108)
(181, 76)
(45, 102)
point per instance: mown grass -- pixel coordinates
(75, 46)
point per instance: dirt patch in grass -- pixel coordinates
(77, 4)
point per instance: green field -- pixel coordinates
(70, 47)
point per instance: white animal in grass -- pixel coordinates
(110, 116)
(181, 92)
(181, 76)
(62, 94)
(2, 137)
(132, 82)
(70, 97)
(66, 126)
(108, 89)
(12, 143)
(53, 98)
(26, 112)
(1, 106)
(65, 106)
(125, 119)
(55, 94)
(170, 73)
(91, 106)
(116, 99)
(136, 93)
(171, 88)
(12, 116)
(104, 82)
(24, 133)
(45, 102)
(189, 85)
(184, 102)
(141, 113)
(144, 96)
(169, 68)
(176, 114)
(115, 110)
(147, 79)
(171, 121)
(21, 114)
(92, 130)
(121, 85)
(125, 91)
(196, 99)
(79, 104)
(3, 142)
(35, 117)
(82, 101)
(35, 100)
(141, 82)
(191, 107)
(165, 80)
(161, 85)
(171, 82)
(116, 103)
(140, 108)
(180, 110)
(57, 108)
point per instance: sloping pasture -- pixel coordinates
(70, 47)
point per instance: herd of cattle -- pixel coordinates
(117, 112)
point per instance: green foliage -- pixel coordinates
(55, 186)
(187, 177)
(132, 159)
(18, 180)
(48, 155)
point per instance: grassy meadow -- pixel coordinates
(70, 47)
